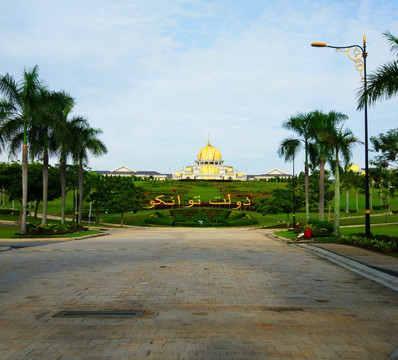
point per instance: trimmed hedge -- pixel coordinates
(53, 229)
(202, 217)
(375, 242)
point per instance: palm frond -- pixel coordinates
(382, 84)
(393, 42)
(289, 147)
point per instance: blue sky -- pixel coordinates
(159, 76)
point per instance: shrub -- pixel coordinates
(159, 218)
(53, 229)
(318, 228)
(370, 243)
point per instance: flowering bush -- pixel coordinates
(317, 228)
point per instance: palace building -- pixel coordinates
(209, 166)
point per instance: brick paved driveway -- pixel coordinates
(207, 294)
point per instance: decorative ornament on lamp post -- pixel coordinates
(355, 52)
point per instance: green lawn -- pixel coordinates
(390, 230)
(10, 232)
(209, 190)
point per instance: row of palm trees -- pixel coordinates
(31, 115)
(323, 136)
(324, 139)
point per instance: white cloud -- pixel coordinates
(158, 76)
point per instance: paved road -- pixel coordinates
(207, 294)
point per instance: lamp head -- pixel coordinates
(318, 44)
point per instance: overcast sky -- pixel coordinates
(158, 76)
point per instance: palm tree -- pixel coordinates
(18, 108)
(87, 142)
(324, 123)
(383, 83)
(341, 140)
(45, 134)
(302, 125)
(67, 142)
(288, 149)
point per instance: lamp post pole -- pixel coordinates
(360, 65)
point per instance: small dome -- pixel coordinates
(209, 153)
(188, 168)
(230, 169)
(354, 168)
(208, 169)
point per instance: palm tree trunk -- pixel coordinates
(371, 196)
(337, 199)
(22, 229)
(357, 199)
(36, 209)
(321, 188)
(121, 219)
(80, 211)
(63, 189)
(330, 209)
(306, 185)
(347, 201)
(45, 188)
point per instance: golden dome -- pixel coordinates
(208, 169)
(188, 168)
(209, 153)
(354, 168)
(230, 169)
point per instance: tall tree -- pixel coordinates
(303, 125)
(19, 105)
(383, 83)
(324, 123)
(45, 133)
(386, 145)
(288, 149)
(341, 140)
(66, 143)
(87, 142)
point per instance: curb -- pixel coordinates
(361, 269)
(352, 265)
(5, 248)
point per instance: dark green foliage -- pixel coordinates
(116, 194)
(11, 181)
(280, 201)
(10, 212)
(203, 217)
(380, 243)
(159, 218)
(237, 216)
(386, 145)
(53, 229)
(245, 220)
(318, 228)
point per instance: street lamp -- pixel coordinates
(355, 55)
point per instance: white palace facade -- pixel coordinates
(209, 166)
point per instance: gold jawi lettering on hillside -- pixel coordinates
(159, 201)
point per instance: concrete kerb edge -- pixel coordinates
(394, 355)
(361, 269)
(53, 239)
